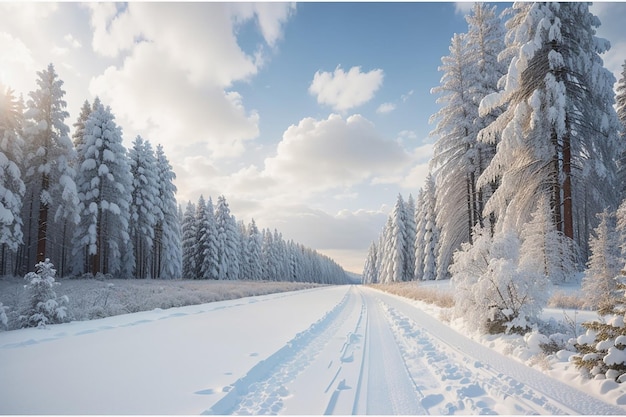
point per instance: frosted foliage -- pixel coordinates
(604, 263)
(170, 234)
(104, 190)
(493, 292)
(44, 306)
(12, 186)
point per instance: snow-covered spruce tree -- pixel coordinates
(602, 349)
(455, 152)
(167, 254)
(431, 233)
(227, 242)
(4, 319)
(51, 195)
(207, 234)
(370, 273)
(44, 306)
(12, 186)
(105, 187)
(410, 231)
(545, 250)
(620, 101)
(395, 245)
(471, 72)
(190, 232)
(420, 230)
(558, 132)
(493, 293)
(254, 251)
(145, 208)
(599, 284)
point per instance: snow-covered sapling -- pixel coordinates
(44, 307)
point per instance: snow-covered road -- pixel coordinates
(335, 350)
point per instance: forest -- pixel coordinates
(526, 188)
(94, 208)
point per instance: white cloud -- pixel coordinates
(345, 90)
(17, 65)
(319, 155)
(179, 61)
(386, 108)
(71, 41)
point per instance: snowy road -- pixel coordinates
(336, 350)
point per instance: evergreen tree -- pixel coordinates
(410, 229)
(420, 231)
(145, 207)
(599, 284)
(104, 189)
(227, 241)
(167, 254)
(49, 174)
(431, 233)
(44, 306)
(370, 273)
(557, 133)
(545, 250)
(12, 186)
(189, 240)
(254, 252)
(620, 100)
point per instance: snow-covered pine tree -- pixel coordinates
(44, 306)
(431, 233)
(227, 241)
(104, 188)
(12, 186)
(167, 253)
(205, 229)
(620, 101)
(244, 263)
(420, 231)
(370, 273)
(51, 195)
(254, 252)
(604, 264)
(386, 260)
(395, 251)
(145, 208)
(270, 272)
(189, 240)
(558, 131)
(545, 250)
(410, 229)
(455, 152)
(209, 260)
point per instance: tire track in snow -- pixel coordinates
(521, 387)
(263, 389)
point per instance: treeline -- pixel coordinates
(526, 117)
(91, 206)
(217, 246)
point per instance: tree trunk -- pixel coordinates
(568, 218)
(42, 222)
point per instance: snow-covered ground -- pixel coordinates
(330, 350)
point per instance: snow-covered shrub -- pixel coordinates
(44, 306)
(493, 293)
(602, 349)
(4, 320)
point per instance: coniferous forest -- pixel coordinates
(78, 197)
(527, 180)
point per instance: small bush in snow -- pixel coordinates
(44, 306)
(493, 293)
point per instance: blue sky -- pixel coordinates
(308, 117)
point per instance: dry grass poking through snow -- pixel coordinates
(414, 291)
(93, 299)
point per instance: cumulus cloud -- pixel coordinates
(335, 152)
(179, 62)
(463, 7)
(345, 90)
